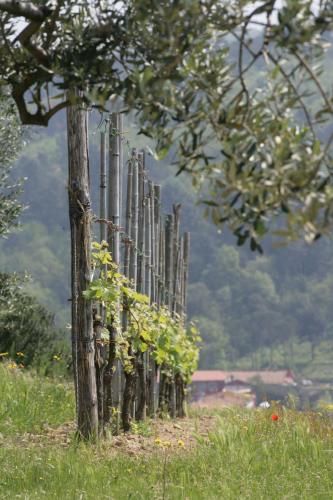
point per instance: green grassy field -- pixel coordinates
(245, 455)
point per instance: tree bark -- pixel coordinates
(108, 376)
(82, 319)
(99, 365)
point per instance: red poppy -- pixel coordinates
(275, 417)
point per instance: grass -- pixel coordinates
(30, 403)
(246, 456)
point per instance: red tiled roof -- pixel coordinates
(268, 377)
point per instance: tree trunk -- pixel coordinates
(109, 402)
(129, 393)
(99, 365)
(80, 225)
(142, 395)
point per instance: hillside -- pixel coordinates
(241, 301)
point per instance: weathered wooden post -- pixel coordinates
(186, 254)
(80, 227)
(130, 374)
(100, 316)
(169, 236)
(111, 398)
(176, 257)
(184, 280)
(102, 186)
(133, 271)
(128, 219)
(155, 191)
(142, 358)
(151, 377)
(147, 221)
(141, 233)
(180, 291)
(119, 370)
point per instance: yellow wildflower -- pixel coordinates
(56, 358)
(181, 442)
(3, 354)
(12, 365)
(158, 441)
(20, 354)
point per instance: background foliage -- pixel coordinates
(252, 311)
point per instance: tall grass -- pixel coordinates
(247, 456)
(29, 403)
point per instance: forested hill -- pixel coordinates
(241, 301)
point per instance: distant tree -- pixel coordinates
(27, 330)
(10, 145)
(215, 346)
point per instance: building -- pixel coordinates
(209, 382)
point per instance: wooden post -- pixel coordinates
(111, 397)
(102, 199)
(147, 220)
(157, 226)
(119, 369)
(128, 223)
(134, 220)
(181, 280)
(143, 357)
(100, 316)
(186, 254)
(161, 272)
(114, 183)
(151, 377)
(141, 233)
(176, 256)
(169, 232)
(130, 376)
(121, 161)
(139, 400)
(152, 242)
(80, 226)
(128, 232)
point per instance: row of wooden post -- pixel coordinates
(150, 252)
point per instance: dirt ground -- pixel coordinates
(148, 437)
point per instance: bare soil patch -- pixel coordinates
(153, 435)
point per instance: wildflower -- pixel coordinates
(12, 365)
(275, 417)
(56, 358)
(20, 354)
(158, 441)
(181, 442)
(3, 354)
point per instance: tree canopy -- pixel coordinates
(236, 89)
